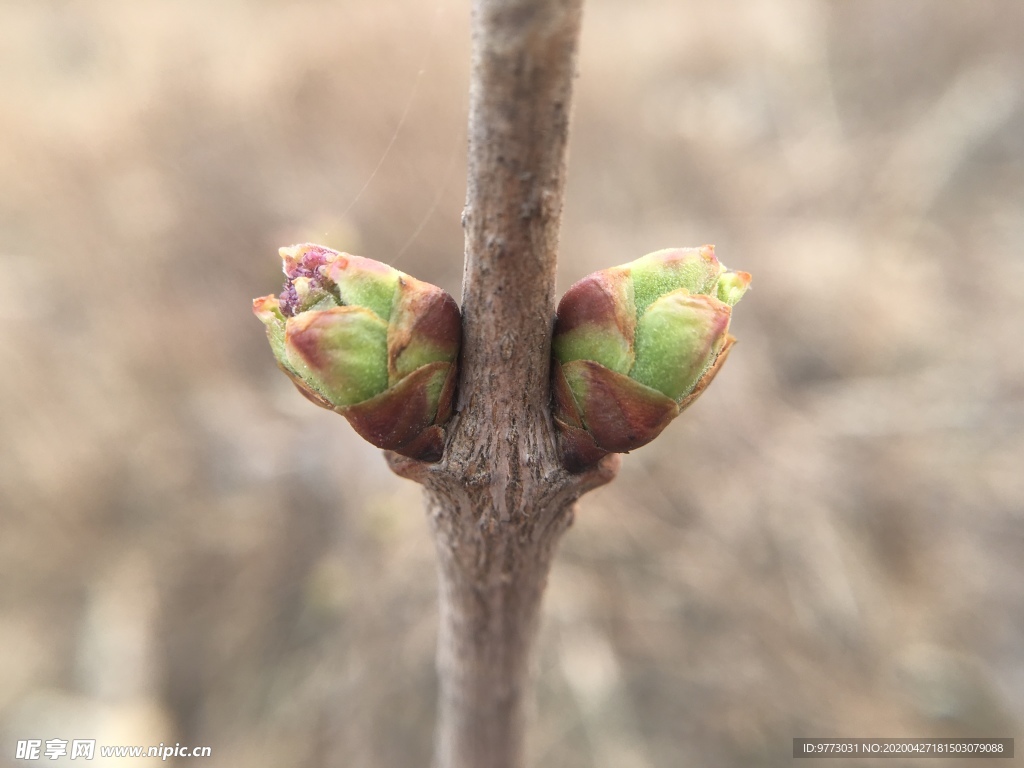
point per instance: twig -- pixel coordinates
(499, 500)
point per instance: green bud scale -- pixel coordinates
(362, 339)
(636, 344)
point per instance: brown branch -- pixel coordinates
(499, 499)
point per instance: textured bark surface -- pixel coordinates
(499, 500)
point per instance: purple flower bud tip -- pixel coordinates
(304, 265)
(304, 260)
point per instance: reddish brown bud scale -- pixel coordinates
(599, 299)
(402, 417)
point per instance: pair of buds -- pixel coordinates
(633, 346)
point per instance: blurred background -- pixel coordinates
(829, 543)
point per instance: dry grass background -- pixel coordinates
(831, 542)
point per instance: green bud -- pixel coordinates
(635, 344)
(369, 342)
(677, 338)
(340, 352)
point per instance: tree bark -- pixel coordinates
(499, 499)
